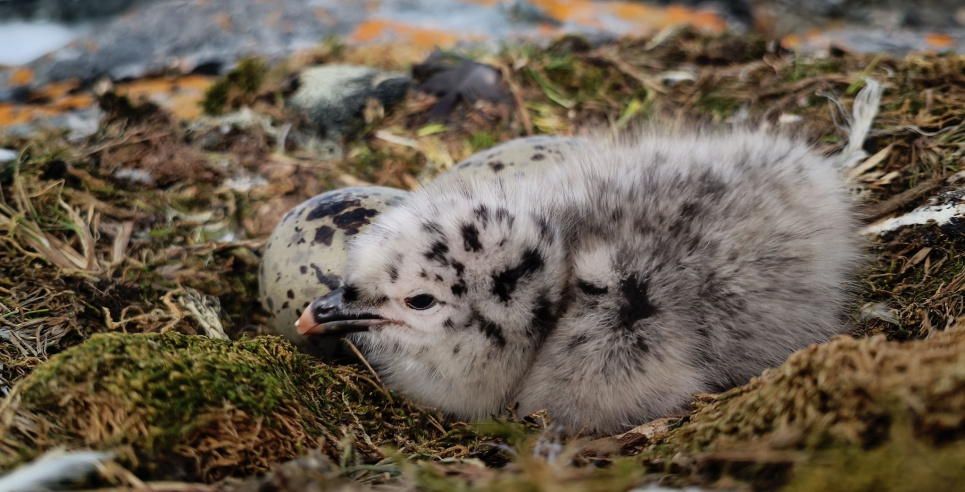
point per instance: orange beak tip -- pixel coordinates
(305, 325)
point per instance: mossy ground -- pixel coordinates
(117, 233)
(202, 409)
(840, 408)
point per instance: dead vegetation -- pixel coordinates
(836, 399)
(153, 226)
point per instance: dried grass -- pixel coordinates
(29, 231)
(848, 391)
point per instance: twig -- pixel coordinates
(901, 200)
(382, 386)
(517, 93)
(608, 55)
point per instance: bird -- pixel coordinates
(609, 289)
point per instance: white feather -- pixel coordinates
(53, 467)
(863, 114)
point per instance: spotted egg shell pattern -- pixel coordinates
(515, 158)
(305, 255)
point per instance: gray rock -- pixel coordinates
(332, 96)
(186, 35)
(64, 10)
(899, 42)
(889, 14)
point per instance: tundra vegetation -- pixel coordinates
(124, 253)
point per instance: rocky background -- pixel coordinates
(143, 167)
(124, 41)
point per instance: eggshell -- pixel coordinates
(305, 256)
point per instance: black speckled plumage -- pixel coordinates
(614, 285)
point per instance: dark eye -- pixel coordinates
(420, 302)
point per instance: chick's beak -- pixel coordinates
(326, 315)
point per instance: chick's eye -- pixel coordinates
(420, 302)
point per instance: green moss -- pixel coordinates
(848, 403)
(480, 141)
(550, 90)
(575, 79)
(188, 401)
(171, 379)
(813, 67)
(237, 87)
(530, 474)
(365, 161)
(902, 463)
(592, 79)
(718, 105)
(241, 301)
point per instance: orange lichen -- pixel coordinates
(791, 41)
(939, 40)
(638, 18)
(55, 90)
(49, 101)
(701, 19)
(16, 114)
(21, 76)
(72, 101)
(643, 18)
(581, 12)
(180, 96)
(381, 29)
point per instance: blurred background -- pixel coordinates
(31, 28)
(51, 49)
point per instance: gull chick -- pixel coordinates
(608, 289)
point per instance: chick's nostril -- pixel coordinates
(326, 305)
(321, 311)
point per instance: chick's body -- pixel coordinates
(611, 288)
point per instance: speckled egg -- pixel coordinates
(305, 255)
(515, 158)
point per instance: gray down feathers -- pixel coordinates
(615, 286)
